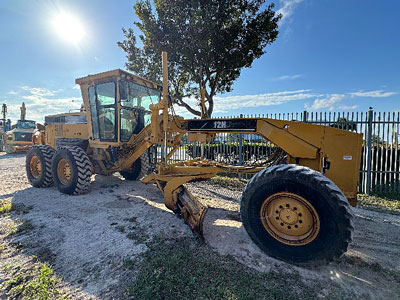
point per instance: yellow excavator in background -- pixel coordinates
(298, 211)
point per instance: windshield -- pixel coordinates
(26, 124)
(135, 100)
(139, 96)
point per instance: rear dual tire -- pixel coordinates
(38, 166)
(69, 168)
(72, 170)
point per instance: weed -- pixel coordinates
(128, 263)
(25, 226)
(136, 237)
(380, 204)
(21, 208)
(5, 206)
(37, 283)
(120, 228)
(11, 229)
(7, 268)
(229, 182)
(132, 220)
(180, 270)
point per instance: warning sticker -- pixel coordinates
(347, 157)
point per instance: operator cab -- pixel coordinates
(26, 124)
(118, 104)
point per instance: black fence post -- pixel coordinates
(305, 116)
(369, 150)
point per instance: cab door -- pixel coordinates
(103, 108)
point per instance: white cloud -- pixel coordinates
(76, 87)
(229, 103)
(329, 102)
(225, 104)
(41, 102)
(288, 77)
(40, 92)
(287, 9)
(12, 92)
(373, 94)
(345, 107)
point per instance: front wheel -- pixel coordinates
(296, 214)
(71, 170)
(140, 168)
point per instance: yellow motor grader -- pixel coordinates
(298, 211)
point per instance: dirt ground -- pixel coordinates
(87, 238)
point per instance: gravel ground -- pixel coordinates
(87, 238)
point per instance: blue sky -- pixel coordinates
(330, 55)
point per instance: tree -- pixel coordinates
(343, 123)
(208, 43)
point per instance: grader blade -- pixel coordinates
(191, 210)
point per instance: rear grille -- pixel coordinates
(23, 136)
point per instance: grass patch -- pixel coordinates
(379, 204)
(229, 182)
(5, 206)
(183, 269)
(11, 229)
(39, 282)
(14, 228)
(140, 238)
(25, 226)
(21, 208)
(120, 228)
(128, 263)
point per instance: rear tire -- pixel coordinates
(38, 166)
(71, 170)
(140, 168)
(296, 214)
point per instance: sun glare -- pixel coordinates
(69, 28)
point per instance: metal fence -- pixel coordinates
(380, 163)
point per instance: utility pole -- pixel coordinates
(4, 115)
(23, 111)
(4, 112)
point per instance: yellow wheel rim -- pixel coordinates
(290, 219)
(64, 171)
(35, 167)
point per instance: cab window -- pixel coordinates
(135, 112)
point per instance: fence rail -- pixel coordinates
(380, 163)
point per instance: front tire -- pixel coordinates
(71, 170)
(140, 168)
(38, 166)
(297, 215)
